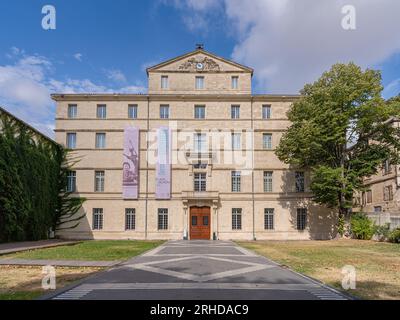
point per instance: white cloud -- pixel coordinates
(392, 89)
(291, 42)
(78, 56)
(26, 85)
(115, 75)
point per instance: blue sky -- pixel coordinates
(105, 46)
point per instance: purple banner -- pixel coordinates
(130, 180)
(163, 167)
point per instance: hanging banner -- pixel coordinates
(130, 181)
(163, 166)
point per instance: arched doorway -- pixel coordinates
(200, 223)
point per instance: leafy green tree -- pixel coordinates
(342, 131)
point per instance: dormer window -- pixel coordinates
(164, 82)
(199, 82)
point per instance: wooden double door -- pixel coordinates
(200, 223)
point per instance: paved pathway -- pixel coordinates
(208, 270)
(58, 263)
(11, 247)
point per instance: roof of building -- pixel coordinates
(199, 50)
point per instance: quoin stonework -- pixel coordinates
(191, 159)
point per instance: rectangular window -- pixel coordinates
(301, 218)
(100, 140)
(200, 182)
(378, 209)
(299, 177)
(387, 168)
(99, 181)
(236, 181)
(72, 111)
(101, 111)
(71, 140)
(199, 83)
(269, 219)
(236, 219)
(199, 112)
(387, 193)
(235, 112)
(97, 218)
(268, 181)
(132, 111)
(164, 82)
(164, 111)
(235, 82)
(267, 141)
(363, 198)
(200, 142)
(236, 141)
(71, 181)
(369, 196)
(130, 219)
(163, 219)
(266, 111)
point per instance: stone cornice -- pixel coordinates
(177, 97)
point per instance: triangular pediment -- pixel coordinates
(199, 60)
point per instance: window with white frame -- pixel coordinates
(100, 140)
(235, 82)
(266, 111)
(200, 142)
(132, 111)
(301, 218)
(130, 219)
(71, 140)
(164, 82)
(236, 141)
(268, 181)
(299, 177)
(162, 219)
(71, 181)
(99, 181)
(235, 112)
(199, 112)
(236, 219)
(268, 219)
(97, 218)
(200, 182)
(101, 111)
(267, 141)
(236, 181)
(164, 111)
(72, 111)
(199, 82)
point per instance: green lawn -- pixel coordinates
(377, 264)
(20, 295)
(101, 250)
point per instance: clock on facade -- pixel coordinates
(199, 66)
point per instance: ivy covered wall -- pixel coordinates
(33, 170)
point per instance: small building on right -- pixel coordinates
(381, 200)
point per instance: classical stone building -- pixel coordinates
(381, 200)
(194, 158)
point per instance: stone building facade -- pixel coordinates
(225, 180)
